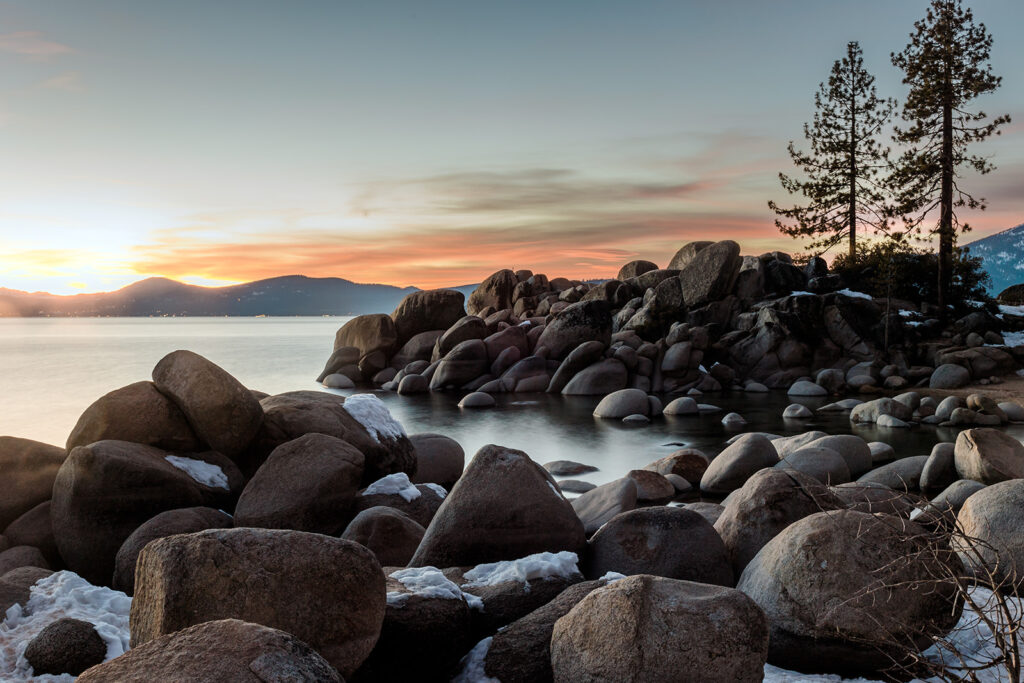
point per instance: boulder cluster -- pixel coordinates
(305, 536)
(712, 319)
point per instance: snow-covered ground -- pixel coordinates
(63, 594)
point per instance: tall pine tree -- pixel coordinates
(946, 66)
(845, 169)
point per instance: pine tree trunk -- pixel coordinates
(853, 171)
(946, 235)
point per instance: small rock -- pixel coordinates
(67, 646)
(477, 399)
(796, 411)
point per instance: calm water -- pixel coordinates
(52, 369)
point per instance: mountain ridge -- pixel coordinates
(1002, 256)
(287, 295)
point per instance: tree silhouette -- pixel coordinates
(946, 66)
(846, 167)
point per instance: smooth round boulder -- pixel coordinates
(504, 507)
(662, 541)
(307, 484)
(338, 381)
(872, 497)
(649, 628)
(598, 379)
(19, 556)
(988, 456)
(853, 449)
(796, 411)
(106, 490)
(949, 376)
(622, 403)
(848, 592)
(413, 384)
(991, 538)
(169, 523)
(940, 469)
(688, 463)
(439, 459)
(685, 405)
(424, 311)
(477, 399)
(138, 413)
(731, 468)
(766, 504)
(651, 488)
(368, 333)
(35, 529)
(808, 389)
(219, 650)
(493, 293)
(463, 364)
(635, 269)
(29, 469)
(824, 464)
(597, 506)
(66, 646)
(390, 534)
(327, 591)
(420, 501)
(222, 412)
(902, 475)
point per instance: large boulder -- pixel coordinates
(505, 506)
(711, 274)
(848, 592)
(598, 379)
(221, 650)
(635, 269)
(649, 628)
(222, 412)
(853, 449)
(368, 333)
(463, 364)
(988, 456)
(364, 424)
(29, 468)
(769, 502)
(439, 459)
(949, 376)
(307, 484)
(493, 293)
(599, 505)
(137, 413)
(169, 523)
(824, 464)
(390, 534)
(686, 254)
(580, 322)
(105, 491)
(434, 309)
(623, 403)
(731, 468)
(419, 347)
(585, 354)
(465, 328)
(326, 591)
(661, 541)
(991, 542)
(901, 475)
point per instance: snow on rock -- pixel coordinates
(854, 295)
(438, 489)
(471, 668)
(537, 566)
(63, 594)
(802, 293)
(397, 483)
(1011, 310)
(205, 473)
(370, 411)
(428, 582)
(612, 577)
(1013, 339)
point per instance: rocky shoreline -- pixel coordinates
(194, 529)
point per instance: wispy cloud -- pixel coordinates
(70, 81)
(33, 45)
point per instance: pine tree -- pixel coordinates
(845, 169)
(946, 66)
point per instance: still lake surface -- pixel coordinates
(51, 369)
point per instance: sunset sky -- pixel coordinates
(423, 143)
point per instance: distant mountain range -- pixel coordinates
(290, 295)
(1003, 257)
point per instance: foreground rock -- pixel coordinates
(847, 592)
(105, 491)
(732, 467)
(992, 542)
(67, 646)
(988, 456)
(220, 650)
(29, 468)
(505, 506)
(222, 412)
(647, 628)
(326, 591)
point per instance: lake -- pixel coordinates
(53, 368)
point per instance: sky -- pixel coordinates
(424, 144)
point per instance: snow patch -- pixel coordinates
(1013, 339)
(472, 665)
(854, 295)
(802, 293)
(612, 577)
(370, 411)
(201, 471)
(524, 570)
(429, 582)
(1011, 310)
(63, 594)
(438, 489)
(394, 484)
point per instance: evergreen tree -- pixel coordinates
(946, 66)
(845, 185)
